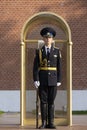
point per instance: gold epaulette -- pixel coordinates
(56, 47)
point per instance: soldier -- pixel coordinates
(47, 76)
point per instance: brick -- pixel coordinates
(13, 15)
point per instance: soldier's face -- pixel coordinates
(48, 40)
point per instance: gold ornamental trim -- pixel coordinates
(47, 68)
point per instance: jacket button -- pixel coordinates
(49, 73)
(48, 61)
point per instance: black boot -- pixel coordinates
(43, 116)
(43, 126)
(51, 117)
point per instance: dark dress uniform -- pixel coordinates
(47, 70)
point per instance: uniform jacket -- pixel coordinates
(47, 77)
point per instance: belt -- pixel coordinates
(47, 68)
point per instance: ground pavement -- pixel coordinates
(11, 121)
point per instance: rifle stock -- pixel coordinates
(37, 107)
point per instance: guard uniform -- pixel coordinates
(47, 70)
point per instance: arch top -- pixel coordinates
(48, 16)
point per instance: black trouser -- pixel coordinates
(47, 96)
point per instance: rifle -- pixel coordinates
(37, 107)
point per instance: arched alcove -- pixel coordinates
(30, 35)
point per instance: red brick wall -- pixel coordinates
(13, 15)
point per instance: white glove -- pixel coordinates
(58, 84)
(36, 84)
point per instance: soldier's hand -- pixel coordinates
(36, 84)
(58, 84)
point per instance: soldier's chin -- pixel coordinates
(48, 43)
